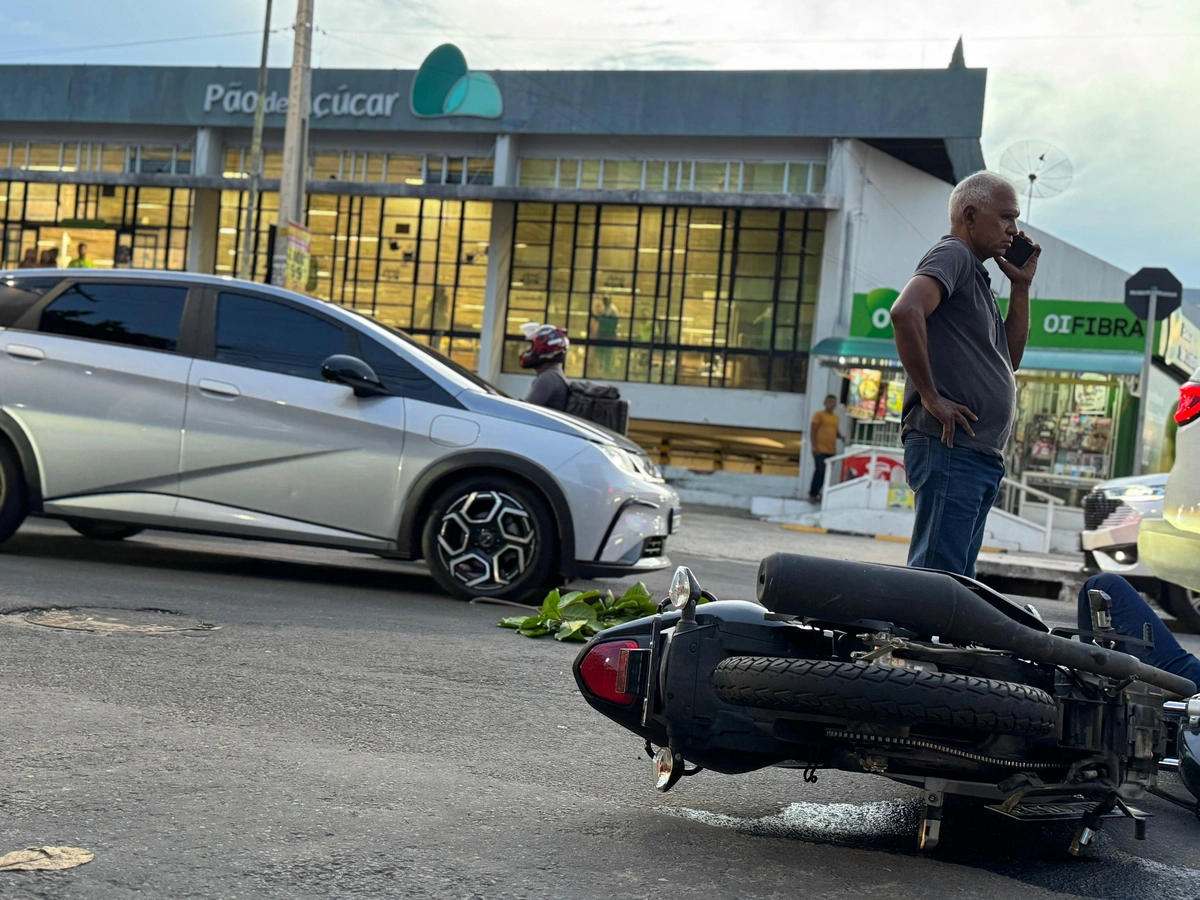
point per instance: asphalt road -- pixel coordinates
(346, 731)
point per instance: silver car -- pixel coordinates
(151, 399)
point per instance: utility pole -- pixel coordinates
(250, 227)
(295, 137)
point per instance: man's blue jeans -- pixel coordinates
(955, 489)
(1129, 613)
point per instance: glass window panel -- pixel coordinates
(155, 160)
(134, 315)
(619, 260)
(622, 174)
(326, 165)
(764, 178)
(537, 173)
(44, 157)
(590, 177)
(759, 289)
(798, 178)
(454, 170)
(818, 178)
(759, 218)
(756, 264)
(655, 173)
(746, 372)
(754, 241)
(535, 212)
(402, 169)
(612, 235)
(568, 173)
(710, 176)
(480, 171)
(532, 233)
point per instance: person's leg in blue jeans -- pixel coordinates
(1129, 613)
(818, 479)
(955, 489)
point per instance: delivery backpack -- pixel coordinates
(599, 403)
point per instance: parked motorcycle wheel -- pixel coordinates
(886, 694)
(1184, 604)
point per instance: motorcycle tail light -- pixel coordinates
(1189, 404)
(600, 669)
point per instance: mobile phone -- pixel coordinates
(1020, 251)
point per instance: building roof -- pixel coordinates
(930, 117)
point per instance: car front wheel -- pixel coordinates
(491, 536)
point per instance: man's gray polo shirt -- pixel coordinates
(968, 352)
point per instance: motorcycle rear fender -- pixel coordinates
(686, 712)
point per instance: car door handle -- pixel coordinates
(19, 351)
(220, 388)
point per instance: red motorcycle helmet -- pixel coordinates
(547, 343)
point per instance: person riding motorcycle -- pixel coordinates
(545, 354)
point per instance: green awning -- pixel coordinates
(881, 353)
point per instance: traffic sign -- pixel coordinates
(1160, 284)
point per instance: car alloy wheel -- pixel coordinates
(486, 540)
(1184, 604)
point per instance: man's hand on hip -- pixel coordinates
(949, 414)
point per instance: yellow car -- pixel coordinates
(1170, 546)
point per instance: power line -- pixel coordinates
(171, 40)
(626, 41)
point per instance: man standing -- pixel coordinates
(82, 261)
(960, 356)
(823, 436)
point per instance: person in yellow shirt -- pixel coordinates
(82, 261)
(823, 436)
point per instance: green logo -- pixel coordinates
(872, 313)
(444, 87)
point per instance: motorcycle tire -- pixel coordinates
(886, 695)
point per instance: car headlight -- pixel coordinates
(1137, 492)
(631, 463)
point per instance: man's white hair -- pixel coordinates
(978, 190)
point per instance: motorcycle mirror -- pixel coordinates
(684, 589)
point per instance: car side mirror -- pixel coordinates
(354, 373)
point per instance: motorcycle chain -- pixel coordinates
(916, 744)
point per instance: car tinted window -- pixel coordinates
(400, 376)
(263, 334)
(137, 315)
(18, 295)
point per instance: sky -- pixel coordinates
(1110, 83)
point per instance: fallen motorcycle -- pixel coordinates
(927, 678)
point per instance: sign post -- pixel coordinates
(1152, 295)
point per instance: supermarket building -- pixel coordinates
(717, 243)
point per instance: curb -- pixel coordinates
(816, 529)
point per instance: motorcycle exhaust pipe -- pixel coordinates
(934, 603)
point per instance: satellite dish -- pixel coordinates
(1038, 169)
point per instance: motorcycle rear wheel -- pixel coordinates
(886, 695)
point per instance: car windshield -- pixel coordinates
(446, 361)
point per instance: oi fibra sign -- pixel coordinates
(442, 88)
(1064, 324)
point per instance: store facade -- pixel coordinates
(1078, 388)
(698, 233)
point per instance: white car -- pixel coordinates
(1170, 546)
(166, 400)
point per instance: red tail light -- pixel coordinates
(1189, 404)
(600, 668)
